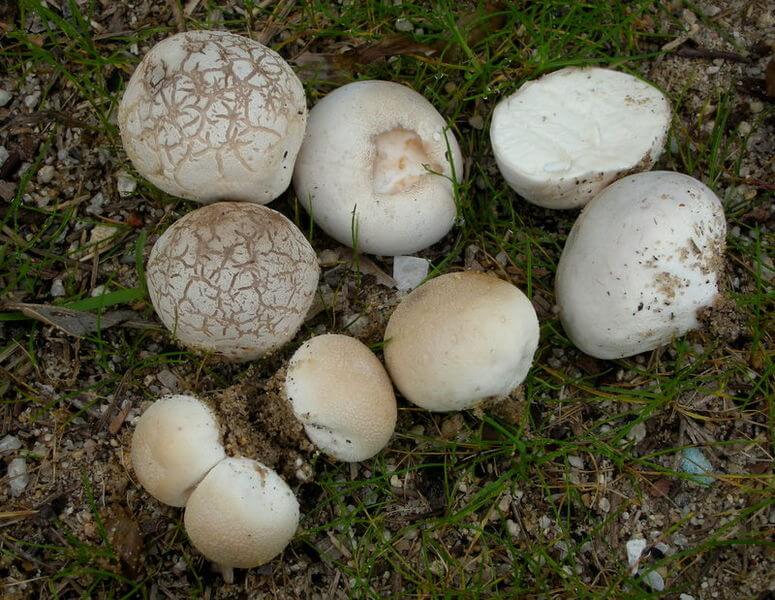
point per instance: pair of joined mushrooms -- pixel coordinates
(220, 119)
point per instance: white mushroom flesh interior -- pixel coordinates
(210, 115)
(562, 138)
(641, 260)
(235, 279)
(342, 394)
(375, 169)
(241, 515)
(459, 339)
(175, 443)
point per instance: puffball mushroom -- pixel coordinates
(341, 393)
(175, 443)
(235, 279)
(374, 170)
(241, 515)
(562, 138)
(459, 339)
(209, 115)
(640, 261)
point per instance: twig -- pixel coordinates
(699, 52)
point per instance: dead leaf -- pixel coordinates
(661, 487)
(367, 267)
(76, 322)
(125, 537)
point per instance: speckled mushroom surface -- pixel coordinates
(235, 279)
(560, 139)
(209, 115)
(639, 263)
(342, 394)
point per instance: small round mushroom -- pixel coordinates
(641, 260)
(235, 279)
(374, 170)
(562, 138)
(341, 393)
(460, 339)
(241, 515)
(176, 442)
(209, 115)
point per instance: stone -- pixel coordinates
(17, 476)
(46, 174)
(409, 272)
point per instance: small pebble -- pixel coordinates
(17, 476)
(409, 272)
(512, 528)
(3, 155)
(693, 461)
(477, 122)
(57, 288)
(46, 174)
(635, 548)
(654, 580)
(125, 184)
(96, 204)
(31, 100)
(5, 97)
(328, 258)
(604, 504)
(404, 25)
(168, 379)
(637, 433)
(98, 291)
(576, 461)
(9, 443)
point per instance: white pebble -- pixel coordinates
(404, 25)
(31, 100)
(654, 580)
(46, 174)
(9, 443)
(3, 155)
(635, 548)
(5, 97)
(604, 504)
(409, 272)
(17, 476)
(576, 461)
(125, 184)
(96, 204)
(57, 288)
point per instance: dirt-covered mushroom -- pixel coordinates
(176, 442)
(459, 339)
(232, 278)
(241, 515)
(341, 393)
(643, 257)
(209, 115)
(562, 138)
(376, 168)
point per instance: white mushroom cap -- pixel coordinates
(562, 138)
(640, 261)
(232, 278)
(176, 442)
(366, 150)
(459, 339)
(210, 115)
(241, 515)
(341, 393)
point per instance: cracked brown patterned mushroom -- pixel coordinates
(642, 259)
(209, 115)
(376, 168)
(342, 394)
(241, 515)
(176, 442)
(234, 279)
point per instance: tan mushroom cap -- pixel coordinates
(176, 442)
(232, 278)
(342, 394)
(241, 515)
(459, 339)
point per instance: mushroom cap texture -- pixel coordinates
(210, 115)
(459, 339)
(176, 442)
(640, 261)
(562, 138)
(232, 278)
(334, 172)
(342, 394)
(242, 514)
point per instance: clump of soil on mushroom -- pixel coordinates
(722, 319)
(257, 422)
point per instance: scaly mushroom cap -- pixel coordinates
(562, 138)
(341, 393)
(640, 261)
(210, 115)
(241, 515)
(176, 442)
(459, 339)
(368, 149)
(235, 279)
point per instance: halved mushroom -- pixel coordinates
(644, 256)
(376, 168)
(460, 339)
(341, 393)
(176, 442)
(562, 138)
(232, 278)
(209, 115)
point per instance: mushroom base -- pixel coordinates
(401, 160)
